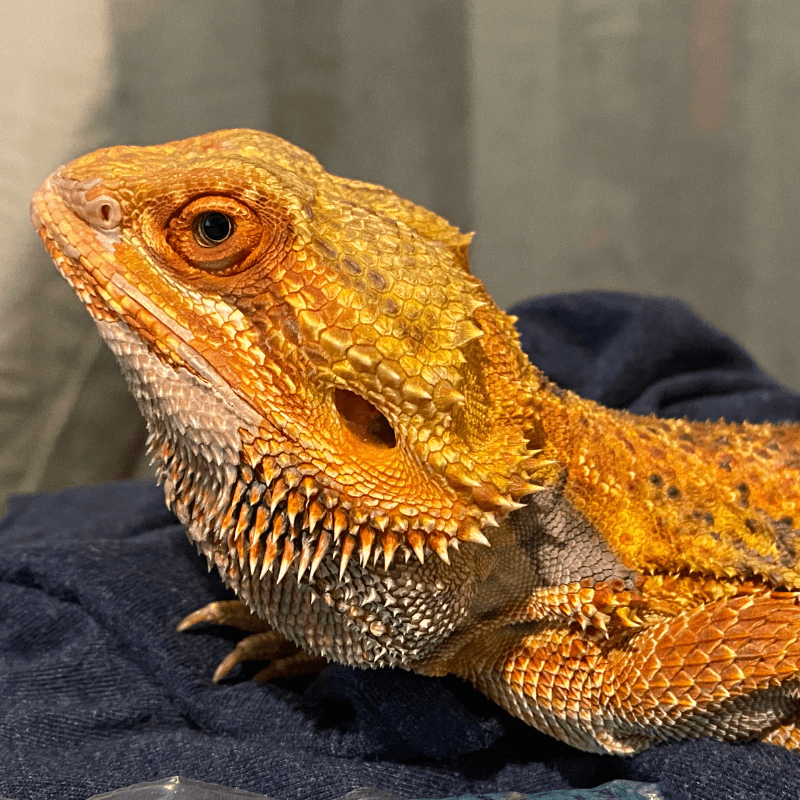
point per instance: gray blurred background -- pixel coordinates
(644, 145)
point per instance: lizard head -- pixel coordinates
(322, 335)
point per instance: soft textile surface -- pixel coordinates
(99, 691)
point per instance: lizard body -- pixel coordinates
(346, 426)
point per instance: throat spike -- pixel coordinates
(417, 542)
(390, 544)
(286, 558)
(366, 537)
(438, 544)
(294, 505)
(278, 492)
(271, 549)
(347, 548)
(339, 523)
(322, 547)
(305, 558)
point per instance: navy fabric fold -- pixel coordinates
(98, 690)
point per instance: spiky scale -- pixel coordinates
(305, 557)
(295, 503)
(271, 548)
(243, 521)
(259, 533)
(470, 531)
(366, 537)
(279, 490)
(417, 542)
(309, 488)
(439, 546)
(347, 549)
(255, 492)
(286, 558)
(316, 512)
(323, 543)
(390, 542)
(340, 523)
(292, 478)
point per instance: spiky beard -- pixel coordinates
(251, 527)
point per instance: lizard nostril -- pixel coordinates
(363, 419)
(101, 212)
(87, 201)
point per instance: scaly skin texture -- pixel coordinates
(346, 426)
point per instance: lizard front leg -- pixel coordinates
(728, 669)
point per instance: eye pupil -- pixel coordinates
(213, 228)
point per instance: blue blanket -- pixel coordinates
(98, 691)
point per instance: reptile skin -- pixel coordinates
(347, 428)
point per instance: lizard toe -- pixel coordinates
(226, 612)
(264, 644)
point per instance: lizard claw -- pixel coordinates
(264, 643)
(225, 612)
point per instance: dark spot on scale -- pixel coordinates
(308, 211)
(743, 490)
(787, 521)
(291, 330)
(673, 492)
(326, 248)
(352, 266)
(714, 535)
(750, 524)
(376, 280)
(709, 517)
(415, 332)
(391, 307)
(686, 437)
(656, 479)
(774, 446)
(725, 463)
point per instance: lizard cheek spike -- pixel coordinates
(347, 428)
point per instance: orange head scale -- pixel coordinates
(312, 355)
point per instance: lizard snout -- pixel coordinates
(88, 201)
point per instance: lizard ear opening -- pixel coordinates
(363, 420)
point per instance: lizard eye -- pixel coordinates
(216, 234)
(212, 228)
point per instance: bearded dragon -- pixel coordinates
(347, 428)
